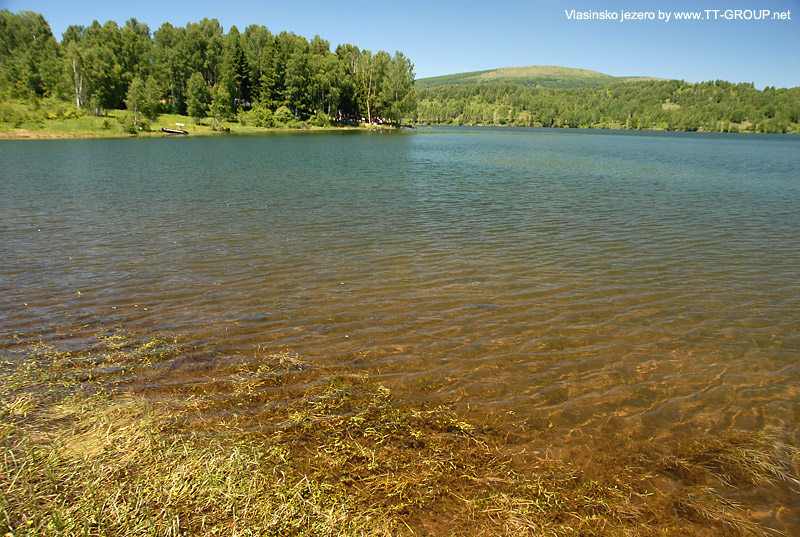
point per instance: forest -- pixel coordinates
(716, 106)
(261, 79)
(253, 76)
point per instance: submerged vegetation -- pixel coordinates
(125, 436)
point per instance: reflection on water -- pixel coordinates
(576, 284)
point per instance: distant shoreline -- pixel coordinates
(202, 131)
(23, 134)
(53, 119)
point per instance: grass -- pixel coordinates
(532, 75)
(52, 118)
(111, 439)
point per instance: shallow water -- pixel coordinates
(577, 282)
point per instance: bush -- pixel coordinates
(7, 113)
(297, 124)
(15, 113)
(283, 114)
(67, 111)
(61, 110)
(130, 126)
(258, 116)
(320, 119)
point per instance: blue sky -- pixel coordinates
(443, 37)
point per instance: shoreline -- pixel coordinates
(49, 121)
(25, 134)
(273, 443)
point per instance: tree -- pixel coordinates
(92, 67)
(204, 49)
(76, 63)
(171, 63)
(236, 70)
(103, 45)
(663, 104)
(220, 104)
(256, 43)
(197, 96)
(28, 55)
(397, 94)
(285, 46)
(298, 82)
(137, 52)
(135, 99)
(372, 79)
(142, 99)
(349, 59)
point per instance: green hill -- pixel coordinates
(547, 76)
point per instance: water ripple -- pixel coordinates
(575, 282)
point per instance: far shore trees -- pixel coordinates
(95, 68)
(103, 67)
(715, 106)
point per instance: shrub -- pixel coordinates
(320, 119)
(297, 124)
(258, 116)
(283, 114)
(128, 123)
(71, 112)
(14, 113)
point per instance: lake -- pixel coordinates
(577, 282)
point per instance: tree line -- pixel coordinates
(716, 106)
(200, 70)
(261, 79)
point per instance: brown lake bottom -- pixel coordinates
(583, 296)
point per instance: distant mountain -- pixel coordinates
(547, 76)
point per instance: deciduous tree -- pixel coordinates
(220, 104)
(198, 97)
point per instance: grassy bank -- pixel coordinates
(117, 438)
(58, 119)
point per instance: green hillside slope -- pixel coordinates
(546, 76)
